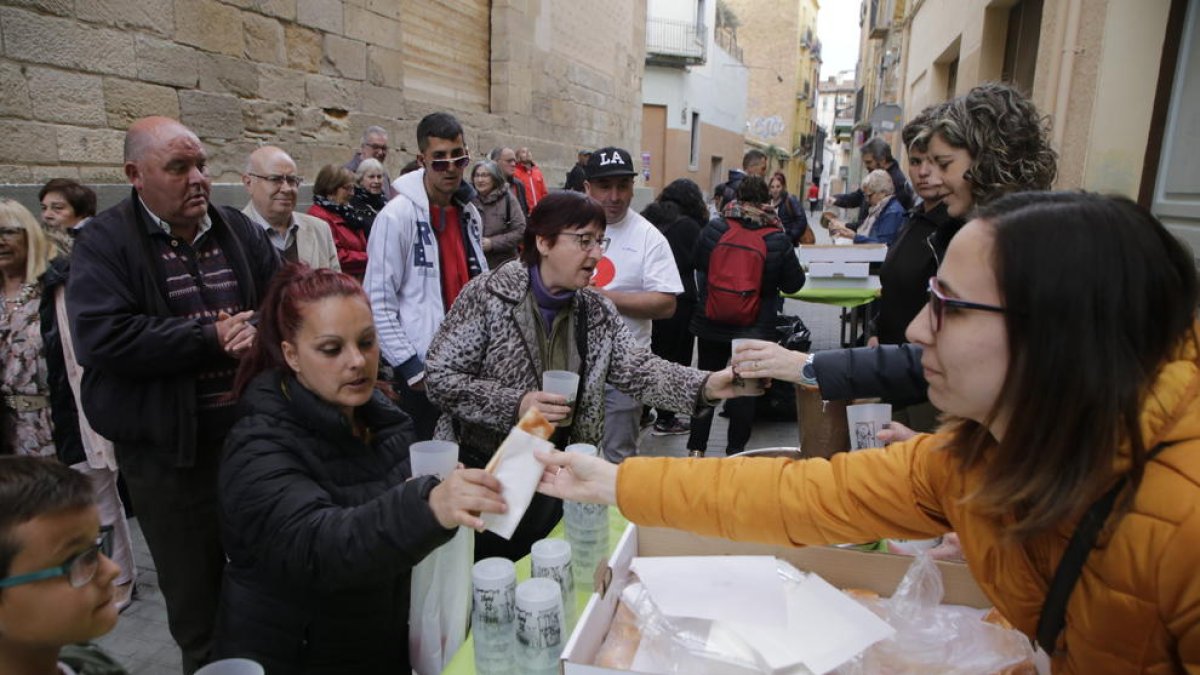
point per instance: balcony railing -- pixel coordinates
(675, 42)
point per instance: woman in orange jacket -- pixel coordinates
(1060, 340)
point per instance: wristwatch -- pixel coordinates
(808, 375)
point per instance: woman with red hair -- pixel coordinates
(320, 517)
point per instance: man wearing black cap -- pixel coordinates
(637, 273)
(578, 173)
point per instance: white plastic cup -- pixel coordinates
(433, 458)
(564, 383)
(749, 385)
(494, 616)
(541, 628)
(551, 559)
(494, 590)
(232, 667)
(583, 449)
(865, 421)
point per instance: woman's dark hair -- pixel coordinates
(778, 175)
(330, 178)
(753, 190)
(31, 487)
(555, 213)
(915, 134)
(1006, 137)
(280, 318)
(1098, 296)
(688, 196)
(662, 214)
(81, 197)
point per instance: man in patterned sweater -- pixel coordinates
(162, 296)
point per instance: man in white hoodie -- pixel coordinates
(425, 245)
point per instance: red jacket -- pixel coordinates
(351, 243)
(533, 180)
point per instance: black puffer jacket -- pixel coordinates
(67, 441)
(911, 260)
(321, 531)
(890, 372)
(781, 271)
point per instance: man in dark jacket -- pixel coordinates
(876, 154)
(161, 299)
(754, 163)
(578, 174)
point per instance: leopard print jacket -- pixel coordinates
(485, 358)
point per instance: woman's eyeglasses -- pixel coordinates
(79, 569)
(443, 165)
(589, 241)
(938, 302)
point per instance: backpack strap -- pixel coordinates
(1054, 610)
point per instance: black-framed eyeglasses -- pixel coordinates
(938, 302)
(278, 179)
(443, 165)
(589, 241)
(79, 569)
(377, 146)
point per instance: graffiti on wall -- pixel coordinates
(765, 127)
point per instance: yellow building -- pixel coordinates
(780, 48)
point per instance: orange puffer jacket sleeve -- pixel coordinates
(896, 491)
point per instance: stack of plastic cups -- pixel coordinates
(551, 559)
(541, 627)
(494, 616)
(587, 530)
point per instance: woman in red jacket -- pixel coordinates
(331, 203)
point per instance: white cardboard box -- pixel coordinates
(878, 572)
(867, 253)
(850, 270)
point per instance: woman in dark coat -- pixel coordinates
(319, 517)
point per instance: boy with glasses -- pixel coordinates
(425, 245)
(56, 582)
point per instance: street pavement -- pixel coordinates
(142, 643)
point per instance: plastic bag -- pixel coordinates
(931, 637)
(439, 610)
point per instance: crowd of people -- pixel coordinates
(256, 376)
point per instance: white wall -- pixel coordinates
(717, 90)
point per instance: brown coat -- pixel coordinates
(1136, 608)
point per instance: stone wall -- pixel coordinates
(309, 75)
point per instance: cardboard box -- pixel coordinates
(867, 253)
(839, 269)
(878, 572)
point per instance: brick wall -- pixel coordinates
(309, 75)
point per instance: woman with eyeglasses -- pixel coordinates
(987, 143)
(1061, 341)
(503, 220)
(370, 191)
(485, 365)
(752, 216)
(321, 518)
(331, 202)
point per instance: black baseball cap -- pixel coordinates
(608, 163)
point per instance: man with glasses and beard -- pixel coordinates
(425, 245)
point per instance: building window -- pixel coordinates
(694, 155)
(951, 78)
(1021, 44)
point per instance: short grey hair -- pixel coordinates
(371, 131)
(879, 181)
(367, 166)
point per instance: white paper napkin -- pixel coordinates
(519, 473)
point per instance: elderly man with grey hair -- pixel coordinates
(885, 215)
(374, 145)
(274, 185)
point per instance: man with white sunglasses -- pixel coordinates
(425, 245)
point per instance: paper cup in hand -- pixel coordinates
(745, 386)
(232, 667)
(564, 383)
(865, 422)
(433, 458)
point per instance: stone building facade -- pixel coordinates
(310, 75)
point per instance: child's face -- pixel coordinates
(50, 612)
